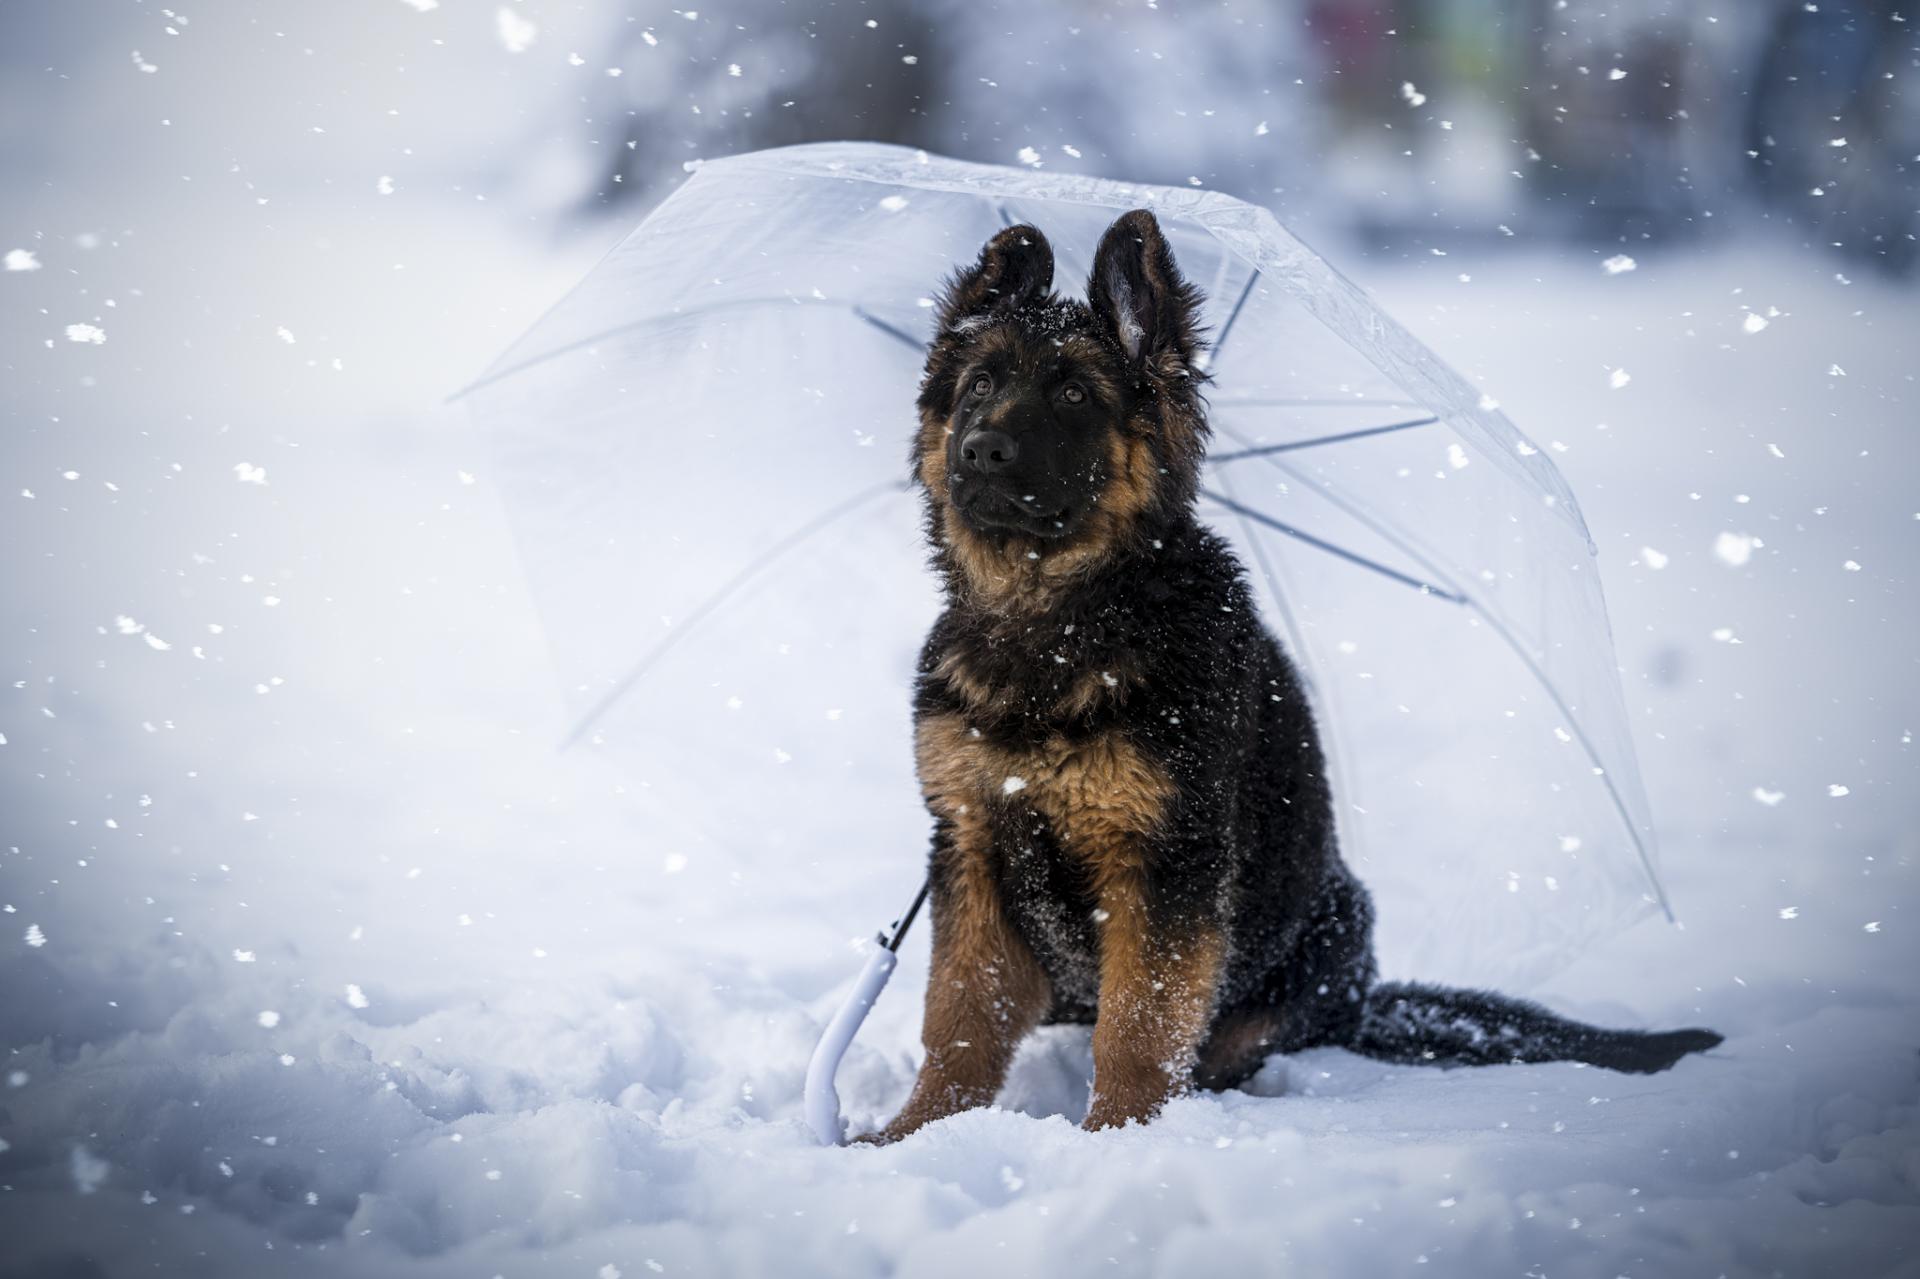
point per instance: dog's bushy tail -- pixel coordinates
(1436, 1026)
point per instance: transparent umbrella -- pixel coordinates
(703, 450)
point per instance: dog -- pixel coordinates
(1132, 821)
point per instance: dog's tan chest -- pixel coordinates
(1097, 791)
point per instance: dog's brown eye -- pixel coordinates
(1074, 393)
(982, 385)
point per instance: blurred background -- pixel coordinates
(1397, 121)
(1657, 122)
(306, 923)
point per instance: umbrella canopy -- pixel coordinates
(703, 449)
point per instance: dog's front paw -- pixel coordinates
(1103, 1115)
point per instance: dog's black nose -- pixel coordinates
(988, 451)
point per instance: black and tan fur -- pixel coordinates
(1132, 820)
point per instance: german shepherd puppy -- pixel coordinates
(1132, 821)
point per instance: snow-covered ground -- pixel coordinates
(527, 1018)
(317, 958)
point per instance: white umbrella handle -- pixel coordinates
(823, 1102)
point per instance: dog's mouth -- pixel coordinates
(988, 508)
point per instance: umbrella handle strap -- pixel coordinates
(822, 1100)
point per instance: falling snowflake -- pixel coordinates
(1653, 559)
(516, 33)
(356, 998)
(1412, 96)
(86, 333)
(88, 1170)
(1619, 378)
(1771, 798)
(35, 938)
(22, 260)
(1618, 264)
(1735, 549)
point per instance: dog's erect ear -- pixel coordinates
(1015, 267)
(1139, 295)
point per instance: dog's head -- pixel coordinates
(1053, 431)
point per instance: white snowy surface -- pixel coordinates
(316, 959)
(583, 1027)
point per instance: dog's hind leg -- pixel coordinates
(1238, 1045)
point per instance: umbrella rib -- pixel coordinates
(1260, 557)
(1219, 344)
(1586, 744)
(905, 921)
(488, 379)
(1266, 449)
(1386, 531)
(1519, 650)
(1352, 557)
(1309, 403)
(888, 329)
(706, 608)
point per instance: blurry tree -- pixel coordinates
(1625, 119)
(1217, 94)
(1833, 125)
(1653, 118)
(1603, 112)
(698, 82)
(1211, 94)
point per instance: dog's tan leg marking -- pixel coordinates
(1106, 799)
(985, 990)
(1156, 1000)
